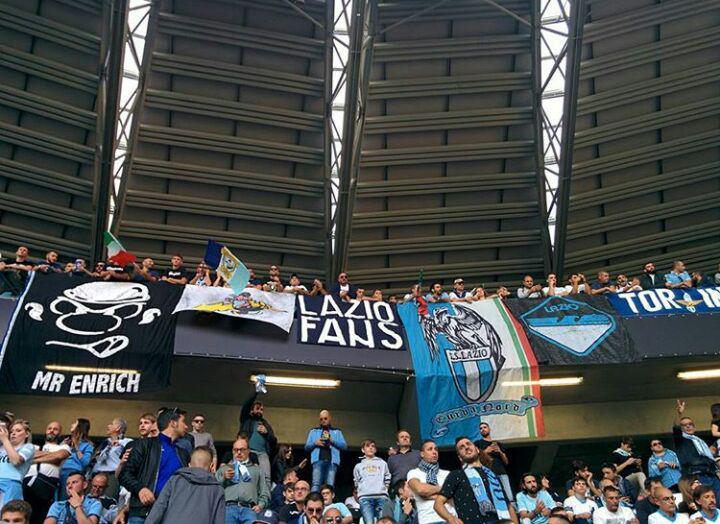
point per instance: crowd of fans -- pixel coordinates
(13, 274)
(174, 474)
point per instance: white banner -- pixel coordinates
(274, 308)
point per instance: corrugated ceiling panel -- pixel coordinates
(232, 142)
(646, 174)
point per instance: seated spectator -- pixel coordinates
(678, 278)
(144, 271)
(50, 264)
(202, 276)
(649, 505)
(667, 511)
(629, 464)
(529, 288)
(581, 469)
(547, 486)
(17, 453)
(602, 285)
(628, 490)
(328, 495)
(69, 266)
(612, 511)
(501, 293)
(459, 294)
(16, 512)
(700, 280)
(437, 294)
(343, 288)
(579, 506)
(650, 279)
(192, 494)
(664, 463)
(393, 299)
(401, 508)
(352, 501)
(377, 296)
(295, 287)
(292, 511)
(13, 273)
(78, 508)
(312, 510)
(282, 493)
(534, 503)
(175, 274)
(707, 505)
(98, 486)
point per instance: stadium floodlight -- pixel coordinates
(546, 382)
(83, 369)
(299, 382)
(699, 374)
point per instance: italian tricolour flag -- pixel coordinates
(116, 252)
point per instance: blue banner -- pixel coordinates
(471, 364)
(663, 302)
(329, 320)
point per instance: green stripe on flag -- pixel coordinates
(532, 430)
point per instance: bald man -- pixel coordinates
(667, 513)
(324, 444)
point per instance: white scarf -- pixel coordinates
(700, 446)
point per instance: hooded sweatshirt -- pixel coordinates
(372, 477)
(191, 496)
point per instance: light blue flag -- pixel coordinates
(233, 271)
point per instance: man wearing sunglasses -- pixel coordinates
(313, 513)
(693, 452)
(664, 463)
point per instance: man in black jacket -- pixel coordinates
(650, 279)
(152, 462)
(259, 433)
(694, 454)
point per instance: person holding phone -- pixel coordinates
(16, 453)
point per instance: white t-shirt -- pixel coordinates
(295, 289)
(660, 518)
(426, 513)
(47, 469)
(10, 471)
(577, 506)
(701, 515)
(623, 515)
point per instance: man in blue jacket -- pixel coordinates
(324, 444)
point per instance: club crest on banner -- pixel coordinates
(577, 327)
(111, 302)
(472, 347)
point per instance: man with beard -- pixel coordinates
(259, 432)
(41, 481)
(498, 455)
(475, 490)
(704, 497)
(534, 503)
(425, 482)
(650, 279)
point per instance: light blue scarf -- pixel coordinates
(494, 502)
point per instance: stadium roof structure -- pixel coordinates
(446, 147)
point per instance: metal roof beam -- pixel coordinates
(452, 48)
(443, 85)
(468, 119)
(452, 184)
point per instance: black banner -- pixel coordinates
(579, 329)
(74, 336)
(328, 320)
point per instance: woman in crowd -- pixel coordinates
(285, 460)
(16, 456)
(81, 451)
